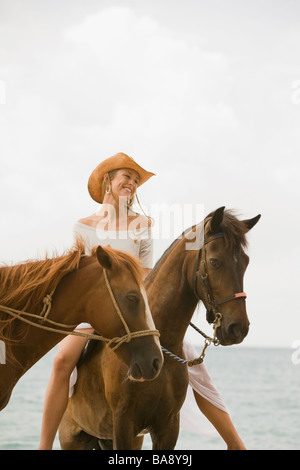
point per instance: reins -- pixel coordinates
(43, 318)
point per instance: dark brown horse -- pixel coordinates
(104, 289)
(110, 410)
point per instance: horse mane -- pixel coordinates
(23, 286)
(166, 254)
(234, 234)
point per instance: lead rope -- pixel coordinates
(207, 342)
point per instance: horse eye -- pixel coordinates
(214, 263)
(132, 298)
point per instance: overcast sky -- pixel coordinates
(206, 94)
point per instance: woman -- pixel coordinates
(113, 184)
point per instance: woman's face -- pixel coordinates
(125, 183)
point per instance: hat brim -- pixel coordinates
(120, 160)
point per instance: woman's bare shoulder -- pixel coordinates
(91, 220)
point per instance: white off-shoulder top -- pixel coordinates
(135, 242)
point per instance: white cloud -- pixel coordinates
(142, 86)
(122, 40)
(144, 60)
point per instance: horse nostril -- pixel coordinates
(233, 330)
(236, 331)
(156, 364)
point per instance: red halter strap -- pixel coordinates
(231, 297)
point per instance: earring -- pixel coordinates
(108, 189)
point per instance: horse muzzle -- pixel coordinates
(140, 371)
(232, 333)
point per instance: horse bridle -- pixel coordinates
(212, 303)
(129, 334)
(213, 316)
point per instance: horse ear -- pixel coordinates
(216, 220)
(103, 258)
(251, 222)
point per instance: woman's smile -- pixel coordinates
(125, 183)
(129, 190)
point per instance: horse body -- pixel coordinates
(154, 405)
(109, 409)
(82, 296)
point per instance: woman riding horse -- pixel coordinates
(113, 184)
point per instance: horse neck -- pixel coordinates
(171, 297)
(66, 308)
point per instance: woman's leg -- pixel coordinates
(57, 393)
(221, 421)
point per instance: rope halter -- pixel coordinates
(43, 319)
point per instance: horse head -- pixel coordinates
(219, 280)
(129, 321)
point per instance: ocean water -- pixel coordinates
(261, 387)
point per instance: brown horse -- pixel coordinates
(104, 289)
(107, 409)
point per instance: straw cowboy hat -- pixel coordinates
(120, 160)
